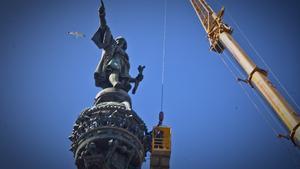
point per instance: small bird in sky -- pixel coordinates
(76, 34)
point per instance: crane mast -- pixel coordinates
(219, 36)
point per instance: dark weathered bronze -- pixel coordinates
(110, 135)
(138, 78)
(113, 68)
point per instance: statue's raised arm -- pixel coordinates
(103, 37)
(102, 15)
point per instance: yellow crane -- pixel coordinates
(219, 36)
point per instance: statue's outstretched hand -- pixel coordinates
(102, 15)
(102, 10)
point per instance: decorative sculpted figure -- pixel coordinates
(113, 68)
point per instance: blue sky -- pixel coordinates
(47, 79)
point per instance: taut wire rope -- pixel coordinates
(163, 57)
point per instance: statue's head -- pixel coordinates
(121, 42)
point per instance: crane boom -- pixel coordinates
(219, 36)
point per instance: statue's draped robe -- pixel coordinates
(114, 59)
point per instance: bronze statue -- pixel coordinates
(113, 68)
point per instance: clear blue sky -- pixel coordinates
(47, 79)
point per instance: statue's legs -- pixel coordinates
(114, 80)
